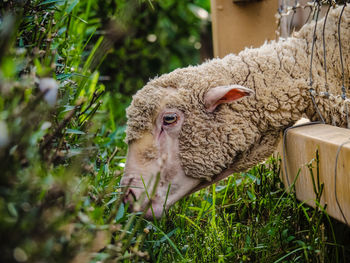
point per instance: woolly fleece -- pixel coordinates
(241, 134)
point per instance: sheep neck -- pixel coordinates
(279, 74)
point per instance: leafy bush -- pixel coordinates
(61, 120)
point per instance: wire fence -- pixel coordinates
(292, 15)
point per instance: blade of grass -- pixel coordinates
(168, 239)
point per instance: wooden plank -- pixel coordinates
(240, 25)
(301, 145)
(240, 1)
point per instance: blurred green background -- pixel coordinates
(149, 39)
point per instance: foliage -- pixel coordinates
(48, 211)
(61, 158)
(150, 40)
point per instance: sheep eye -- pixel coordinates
(169, 118)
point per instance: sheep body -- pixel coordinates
(238, 135)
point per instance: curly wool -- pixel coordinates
(241, 134)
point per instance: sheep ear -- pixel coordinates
(224, 94)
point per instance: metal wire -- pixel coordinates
(347, 116)
(341, 54)
(343, 90)
(292, 19)
(335, 181)
(308, 17)
(313, 44)
(324, 52)
(311, 90)
(316, 11)
(284, 145)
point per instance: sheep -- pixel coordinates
(197, 125)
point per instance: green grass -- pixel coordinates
(248, 217)
(60, 199)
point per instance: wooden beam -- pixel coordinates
(240, 1)
(301, 146)
(240, 25)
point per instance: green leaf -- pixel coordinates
(71, 6)
(251, 196)
(120, 213)
(64, 76)
(68, 108)
(47, 2)
(73, 131)
(164, 238)
(219, 188)
(12, 209)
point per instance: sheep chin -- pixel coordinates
(155, 212)
(216, 178)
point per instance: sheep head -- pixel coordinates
(179, 134)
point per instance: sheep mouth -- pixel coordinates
(149, 208)
(129, 197)
(154, 212)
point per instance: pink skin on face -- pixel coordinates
(173, 183)
(157, 153)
